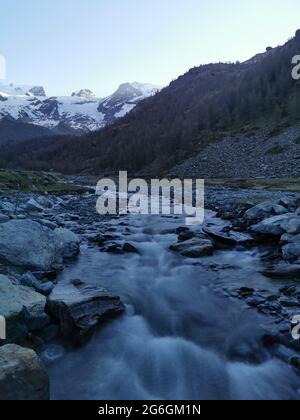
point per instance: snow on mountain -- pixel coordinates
(82, 111)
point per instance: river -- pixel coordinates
(182, 336)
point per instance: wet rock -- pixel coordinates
(254, 302)
(272, 226)
(289, 303)
(80, 307)
(68, 242)
(28, 244)
(4, 218)
(283, 270)
(185, 236)
(228, 237)
(291, 252)
(182, 229)
(22, 308)
(289, 290)
(113, 248)
(245, 291)
(199, 246)
(22, 375)
(264, 210)
(129, 248)
(295, 361)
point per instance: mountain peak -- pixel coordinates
(84, 94)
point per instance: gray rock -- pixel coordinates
(272, 226)
(227, 236)
(129, 248)
(291, 252)
(264, 210)
(29, 280)
(28, 244)
(292, 225)
(283, 270)
(44, 202)
(7, 207)
(47, 223)
(22, 375)
(288, 203)
(197, 247)
(68, 242)
(288, 239)
(22, 308)
(45, 288)
(33, 206)
(80, 307)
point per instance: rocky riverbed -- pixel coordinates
(144, 301)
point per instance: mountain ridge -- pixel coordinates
(81, 112)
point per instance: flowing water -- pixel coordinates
(181, 337)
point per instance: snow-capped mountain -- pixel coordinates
(82, 111)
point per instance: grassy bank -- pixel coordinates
(40, 182)
(274, 184)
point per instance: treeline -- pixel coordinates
(197, 108)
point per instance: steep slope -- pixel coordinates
(207, 104)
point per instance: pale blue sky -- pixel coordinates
(66, 45)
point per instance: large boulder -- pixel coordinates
(291, 252)
(273, 226)
(197, 247)
(22, 375)
(264, 210)
(80, 307)
(23, 310)
(68, 242)
(28, 244)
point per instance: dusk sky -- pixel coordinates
(66, 45)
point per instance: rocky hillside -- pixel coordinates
(263, 153)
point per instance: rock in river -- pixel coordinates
(291, 252)
(22, 375)
(273, 226)
(80, 307)
(68, 242)
(22, 308)
(292, 225)
(199, 246)
(228, 237)
(263, 210)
